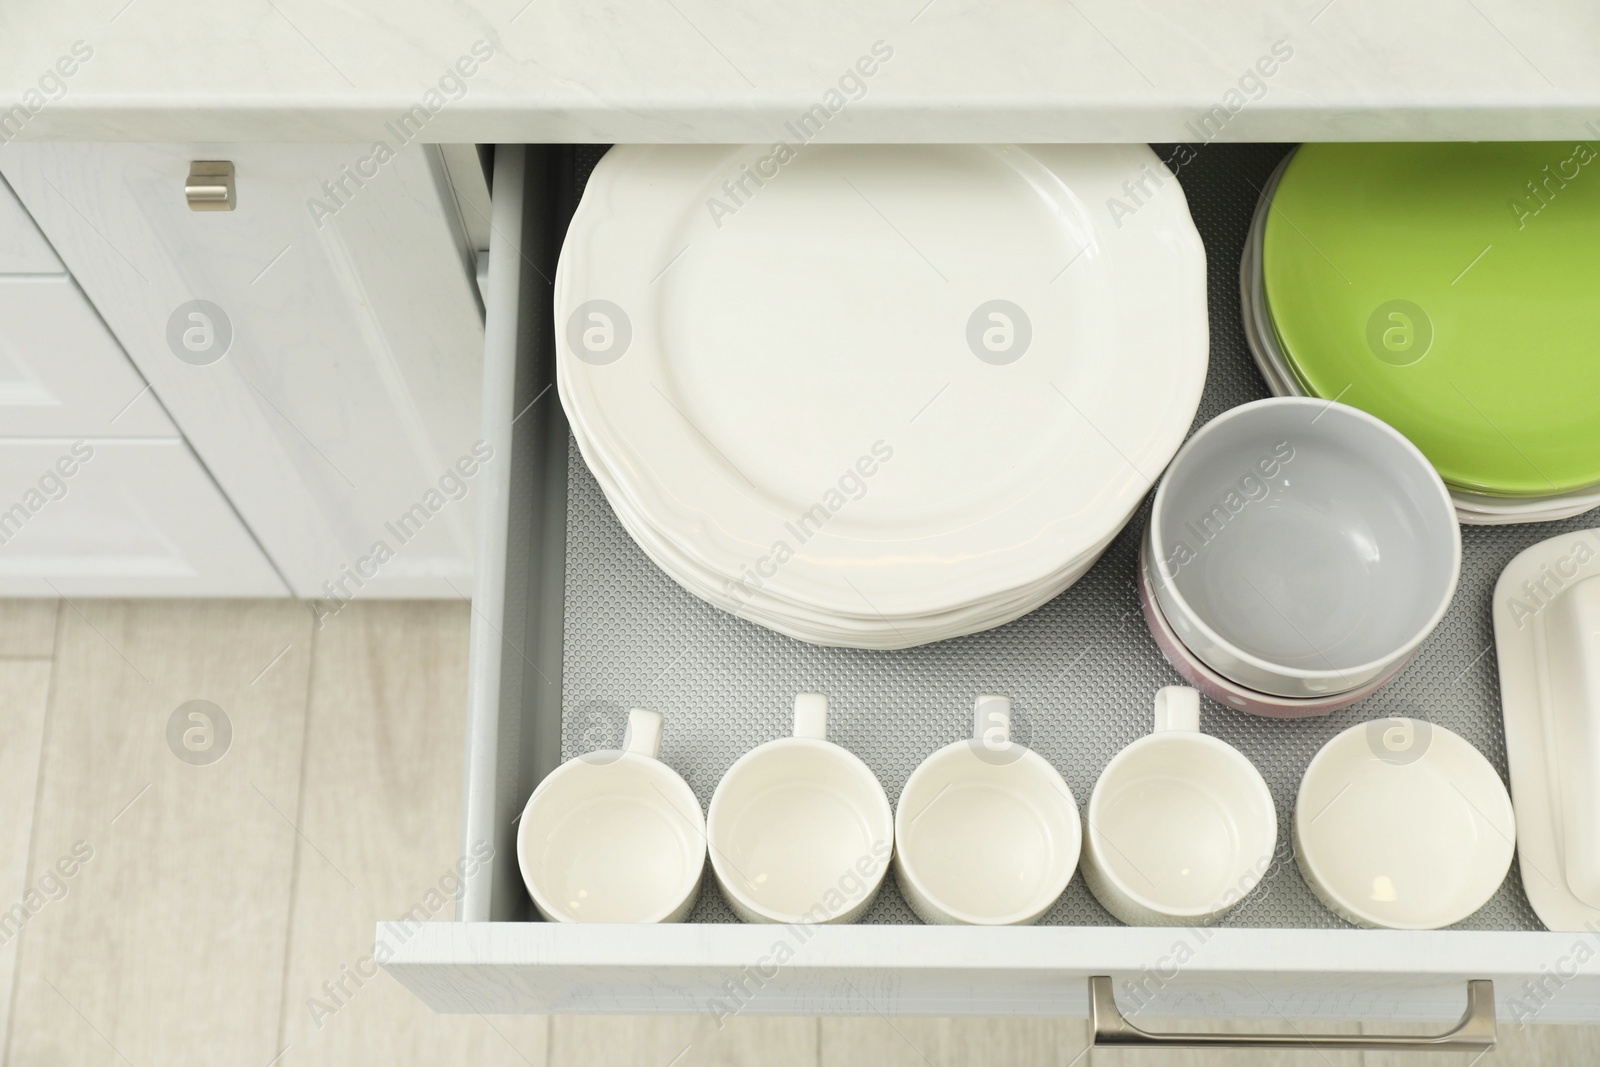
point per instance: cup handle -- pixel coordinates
(1177, 708)
(811, 716)
(991, 721)
(643, 735)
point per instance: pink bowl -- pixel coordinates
(1230, 693)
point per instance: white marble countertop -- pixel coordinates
(699, 70)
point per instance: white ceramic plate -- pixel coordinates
(796, 621)
(778, 352)
(726, 591)
(858, 633)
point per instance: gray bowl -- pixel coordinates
(1302, 547)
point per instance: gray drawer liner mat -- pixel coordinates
(1081, 670)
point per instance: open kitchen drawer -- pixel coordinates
(571, 625)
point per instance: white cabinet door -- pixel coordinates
(98, 518)
(348, 390)
(23, 249)
(62, 374)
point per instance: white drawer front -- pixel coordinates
(61, 371)
(97, 518)
(728, 969)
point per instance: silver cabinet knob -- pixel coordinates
(210, 185)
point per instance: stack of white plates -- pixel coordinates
(879, 396)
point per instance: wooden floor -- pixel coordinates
(204, 910)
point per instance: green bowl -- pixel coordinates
(1452, 290)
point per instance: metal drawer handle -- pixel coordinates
(210, 185)
(1474, 1033)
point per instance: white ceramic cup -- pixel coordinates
(1181, 825)
(614, 836)
(986, 831)
(1403, 824)
(800, 830)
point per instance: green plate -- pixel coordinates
(1452, 290)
